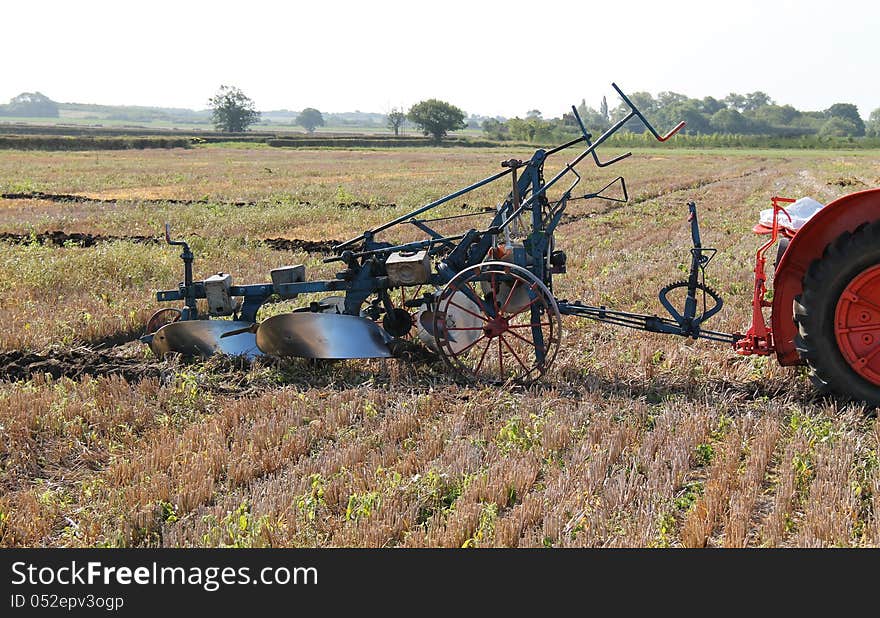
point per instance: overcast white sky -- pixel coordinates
(488, 58)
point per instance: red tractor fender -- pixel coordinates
(843, 214)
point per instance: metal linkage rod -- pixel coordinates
(638, 321)
(426, 207)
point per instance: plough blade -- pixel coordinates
(204, 338)
(322, 335)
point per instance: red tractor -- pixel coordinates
(826, 300)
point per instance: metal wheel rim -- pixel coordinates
(471, 361)
(857, 324)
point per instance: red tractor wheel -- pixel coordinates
(838, 316)
(496, 322)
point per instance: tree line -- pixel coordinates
(234, 112)
(754, 113)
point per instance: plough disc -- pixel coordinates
(204, 338)
(322, 335)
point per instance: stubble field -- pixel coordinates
(632, 439)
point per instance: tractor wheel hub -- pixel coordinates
(857, 324)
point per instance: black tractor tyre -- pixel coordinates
(781, 248)
(814, 313)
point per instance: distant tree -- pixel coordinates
(754, 100)
(735, 101)
(436, 118)
(474, 122)
(533, 113)
(850, 112)
(729, 121)
(670, 98)
(603, 111)
(531, 129)
(33, 104)
(495, 129)
(776, 115)
(710, 105)
(837, 126)
(395, 120)
(593, 120)
(873, 127)
(689, 110)
(310, 119)
(232, 111)
(645, 104)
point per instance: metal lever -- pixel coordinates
(191, 312)
(588, 139)
(635, 110)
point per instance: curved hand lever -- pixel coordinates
(635, 110)
(777, 208)
(178, 243)
(675, 130)
(588, 139)
(187, 257)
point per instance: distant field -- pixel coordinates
(632, 439)
(86, 120)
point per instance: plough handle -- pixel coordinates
(588, 138)
(635, 110)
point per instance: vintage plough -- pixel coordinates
(483, 298)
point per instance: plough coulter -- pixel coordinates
(482, 298)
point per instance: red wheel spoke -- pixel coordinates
(521, 338)
(470, 345)
(476, 315)
(867, 359)
(477, 298)
(483, 356)
(495, 317)
(509, 296)
(858, 300)
(531, 302)
(861, 328)
(515, 355)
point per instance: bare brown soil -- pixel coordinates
(59, 238)
(82, 199)
(22, 365)
(64, 239)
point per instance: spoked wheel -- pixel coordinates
(497, 322)
(162, 317)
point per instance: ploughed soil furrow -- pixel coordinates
(295, 244)
(85, 199)
(73, 239)
(77, 362)
(78, 239)
(21, 365)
